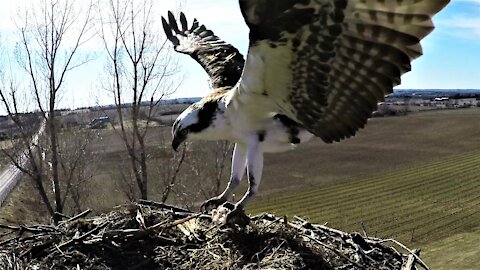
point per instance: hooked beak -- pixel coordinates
(177, 140)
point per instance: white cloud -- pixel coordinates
(462, 23)
(460, 20)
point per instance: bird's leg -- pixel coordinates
(254, 174)
(239, 160)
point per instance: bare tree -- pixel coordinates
(222, 152)
(51, 33)
(218, 153)
(76, 165)
(140, 70)
(172, 173)
(203, 172)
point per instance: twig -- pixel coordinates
(139, 218)
(56, 246)
(270, 224)
(162, 225)
(364, 230)
(164, 206)
(410, 264)
(326, 246)
(81, 215)
(211, 228)
(15, 228)
(412, 252)
(69, 242)
(62, 215)
(23, 228)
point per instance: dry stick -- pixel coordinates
(323, 227)
(326, 246)
(270, 224)
(162, 225)
(69, 242)
(56, 246)
(8, 241)
(6, 233)
(23, 228)
(411, 260)
(364, 230)
(62, 215)
(260, 252)
(139, 218)
(81, 215)
(211, 228)
(412, 252)
(163, 206)
(15, 228)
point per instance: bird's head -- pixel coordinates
(191, 122)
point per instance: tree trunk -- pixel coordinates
(43, 194)
(143, 159)
(54, 156)
(143, 166)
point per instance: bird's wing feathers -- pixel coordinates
(222, 61)
(326, 63)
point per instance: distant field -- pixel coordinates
(384, 145)
(459, 251)
(415, 205)
(415, 178)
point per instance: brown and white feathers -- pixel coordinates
(222, 62)
(327, 63)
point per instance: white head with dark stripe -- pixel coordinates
(193, 121)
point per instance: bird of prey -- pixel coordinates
(314, 67)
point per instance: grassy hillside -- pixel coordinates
(460, 251)
(416, 205)
(429, 201)
(415, 178)
(385, 144)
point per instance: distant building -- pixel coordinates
(442, 102)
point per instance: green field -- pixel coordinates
(415, 178)
(459, 251)
(417, 205)
(429, 201)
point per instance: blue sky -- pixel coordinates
(451, 53)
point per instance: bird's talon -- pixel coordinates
(230, 214)
(228, 205)
(237, 216)
(212, 203)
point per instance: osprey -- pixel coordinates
(314, 67)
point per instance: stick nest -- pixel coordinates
(150, 235)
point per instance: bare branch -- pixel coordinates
(174, 176)
(136, 66)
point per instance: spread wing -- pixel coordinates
(222, 62)
(327, 63)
